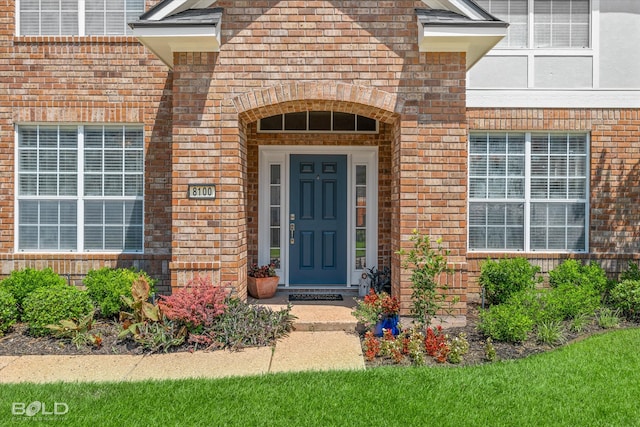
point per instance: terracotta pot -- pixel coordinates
(262, 287)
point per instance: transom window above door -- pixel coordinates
(318, 121)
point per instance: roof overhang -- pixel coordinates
(449, 31)
(193, 29)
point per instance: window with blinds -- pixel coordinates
(561, 23)
(528, 192)
(555, 23)
(70, 17)
(80, 188)
(516, 13)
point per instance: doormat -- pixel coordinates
(315, 297)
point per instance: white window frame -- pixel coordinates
(80, 197)
(528, 200)
(280, 155)
(593, 7)
(81, 23)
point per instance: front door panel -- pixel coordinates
(318, 248)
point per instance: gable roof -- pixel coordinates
(192, 26)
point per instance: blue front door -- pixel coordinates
(318, 220)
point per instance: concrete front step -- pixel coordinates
(315, 316)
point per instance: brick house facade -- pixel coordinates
(198, 77)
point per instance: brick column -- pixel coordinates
(430, 170)
(208, 236)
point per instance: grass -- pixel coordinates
(595, 382)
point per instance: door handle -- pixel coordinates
(292, 230)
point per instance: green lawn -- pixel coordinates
(595, 382)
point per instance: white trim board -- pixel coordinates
(529, 98)
(280, 155)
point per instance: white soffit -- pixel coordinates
(458, 26)
(191, 30)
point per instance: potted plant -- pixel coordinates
(262, 281)
(379, 311)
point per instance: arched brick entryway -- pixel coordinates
(318, 96)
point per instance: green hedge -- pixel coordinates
(48, 306)
(106, 285)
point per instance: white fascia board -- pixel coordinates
(474, 41)
(178, 6)
(457, 6)
(553, 98)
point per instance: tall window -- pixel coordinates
(77, 17)
(275, 206)
(555, 23)
(361, 217)
(528, 191)
(80, 188)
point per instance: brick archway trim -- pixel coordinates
(307, 95)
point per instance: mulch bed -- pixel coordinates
(18, 342)
(504, 351)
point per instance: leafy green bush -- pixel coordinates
(503, 278)
(8, 311)
(631, 273)
(567, 301)
(22, 282)
(106, 285)
(506, 322)
(531, 302)
(48, 306)
(572, 272)
(625, 296)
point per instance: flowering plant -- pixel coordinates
(264, 271)
(376, 306)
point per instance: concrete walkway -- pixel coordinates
(300, 351)
(324, 339)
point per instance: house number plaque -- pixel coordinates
(202, 191)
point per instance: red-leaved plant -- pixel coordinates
(436, 345)
(198, 304)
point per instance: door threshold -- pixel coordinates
(319, 289)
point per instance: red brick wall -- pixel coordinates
(614, 236)
(276, 56)
(75, 80)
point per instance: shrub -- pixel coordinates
(506, 322)
(631, 273)
(8, 311)
(428, 284)
(198, 304)
(567, 301)
(106, 285)
(48, 306)
(22, 282)
(501, 279)
(572, 272)
(531, 302)
(625, 296)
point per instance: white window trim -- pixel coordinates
(269, 155)
(528, 200)
(79, 198)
